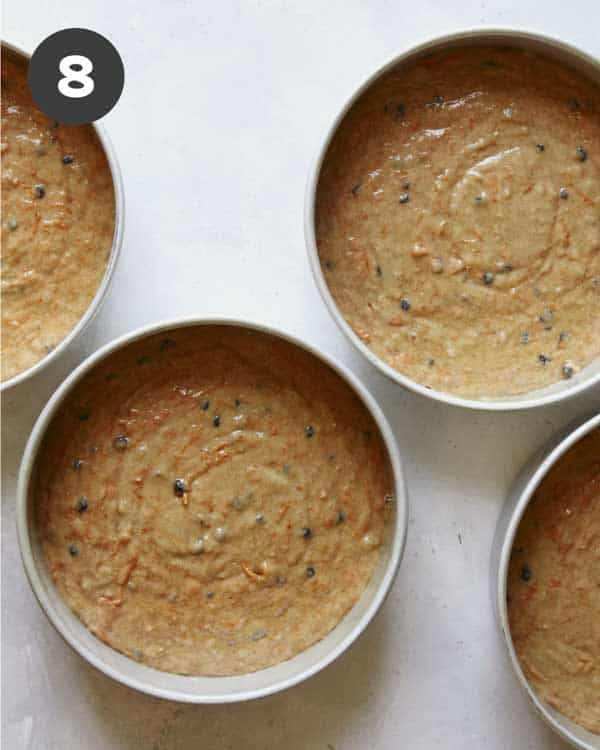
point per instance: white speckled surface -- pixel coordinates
(224, 107)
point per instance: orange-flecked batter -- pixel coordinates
(212, 500)
(554, 586)
(58, 219)
(458, 221)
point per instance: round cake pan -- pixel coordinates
(94, 305)
(520, 38)
(521, 492)
(206, 689)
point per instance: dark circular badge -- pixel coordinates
(76, 76)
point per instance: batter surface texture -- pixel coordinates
(58, 220)
(212, 500)
(554, 586)
(458, 221)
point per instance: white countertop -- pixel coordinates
(225, 104)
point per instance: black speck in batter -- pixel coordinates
(82, 504)
(400, 112)
(179, 487)
(165, 344)
(121, 442)
(568, 370)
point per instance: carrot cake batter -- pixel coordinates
(554, 586)
(458, 221)
(212, 500)
(58, 219)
